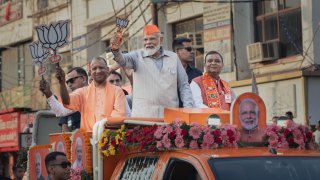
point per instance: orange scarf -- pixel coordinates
(212, 93)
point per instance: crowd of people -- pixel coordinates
(159, 78)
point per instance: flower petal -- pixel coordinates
(53, 46)
(64, 31)
(40, 35)
(39, 50)
(61, 43)
(58, 30)
(46, 45)
(31, 46)
(52, 36)
(46, 34)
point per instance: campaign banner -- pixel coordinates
(81, 150)
(37, 167)
(9, 129)
(248, 113)
(61, 142)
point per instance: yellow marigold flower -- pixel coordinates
(105, 152)
(122, 127)
(112, 151)
(117, 138)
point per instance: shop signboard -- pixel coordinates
(9, 129)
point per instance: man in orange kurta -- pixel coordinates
(98, 100)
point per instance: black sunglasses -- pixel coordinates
(189, 49)
(112, 81)
(64, 165)
(71, 80)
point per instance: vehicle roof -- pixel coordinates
(246, 152)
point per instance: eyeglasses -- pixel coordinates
(64, 165)
(71, 80)
(113, 81)
(189, 49)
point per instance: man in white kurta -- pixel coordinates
(158, 75)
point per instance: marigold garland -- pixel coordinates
(112, 142)
(67, 141)
(184, 136)
(66, 137)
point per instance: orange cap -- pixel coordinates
(150, 29)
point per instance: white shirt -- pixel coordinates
(58, 107)
(196, 94)
(317, 136)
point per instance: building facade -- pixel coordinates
(277, 40)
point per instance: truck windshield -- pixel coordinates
(266, 168)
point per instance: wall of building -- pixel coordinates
(280, 96)
(243, 35)
(313, 98)
(19, 30)
(310, 25)
(79, 15)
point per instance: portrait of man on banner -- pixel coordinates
(249, 115)
(249, 119)
(38, 167)
(78, 163)
(60, 147)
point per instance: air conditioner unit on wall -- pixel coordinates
(262, 51)
(196, 37)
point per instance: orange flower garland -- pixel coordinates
(67, 140)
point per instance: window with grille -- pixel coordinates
(139, 168)
(280, 20)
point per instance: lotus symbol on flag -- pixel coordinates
(53, 36)
(38, 53)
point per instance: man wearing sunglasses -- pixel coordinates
(76, 78)
(58, 166)
(183, 47)
(158, 75)
(96, 101)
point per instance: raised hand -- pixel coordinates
(116, 41)
(60, 75)
(44, 87)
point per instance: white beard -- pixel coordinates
(151, 52)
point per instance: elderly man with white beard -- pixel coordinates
(158, 75)
(249, 118)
